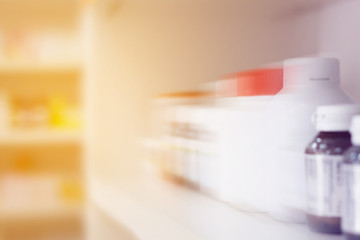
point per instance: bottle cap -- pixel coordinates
(258, 82)
(311, 70)
(335, 118)
(355, 130)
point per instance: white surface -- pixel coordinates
(156, 210)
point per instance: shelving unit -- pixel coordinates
(41, 137)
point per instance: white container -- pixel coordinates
(172, 126)
(242, 133)
(184, 146)
(308, 83)
(206, 120)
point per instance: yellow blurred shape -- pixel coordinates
(62, 115)
(71, 191)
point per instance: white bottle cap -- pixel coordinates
(311, 70)
(355, 130)
(335, 118)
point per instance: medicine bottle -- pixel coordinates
(308, 83)
(351, 185)
(323, 159)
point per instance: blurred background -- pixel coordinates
(41, 82)
(78, 79)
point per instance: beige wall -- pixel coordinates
(147, 47)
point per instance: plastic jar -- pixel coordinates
(242, 102)
(351, 185)
(172, 127)
(323, 159)
(206, 122)
(308, 83)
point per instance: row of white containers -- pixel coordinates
(245, 146)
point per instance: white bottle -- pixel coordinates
(308, 83)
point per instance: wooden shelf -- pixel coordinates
(28, 137)
(39, 213)
(37, 68)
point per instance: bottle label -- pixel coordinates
(351, 198)
(323, 175)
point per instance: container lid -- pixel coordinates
(258, 82)
(335, 118)
(355, 130)
(311, 70)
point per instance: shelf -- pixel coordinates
(27, 137)
(156, 210)
(39, 213)
(26, 68)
